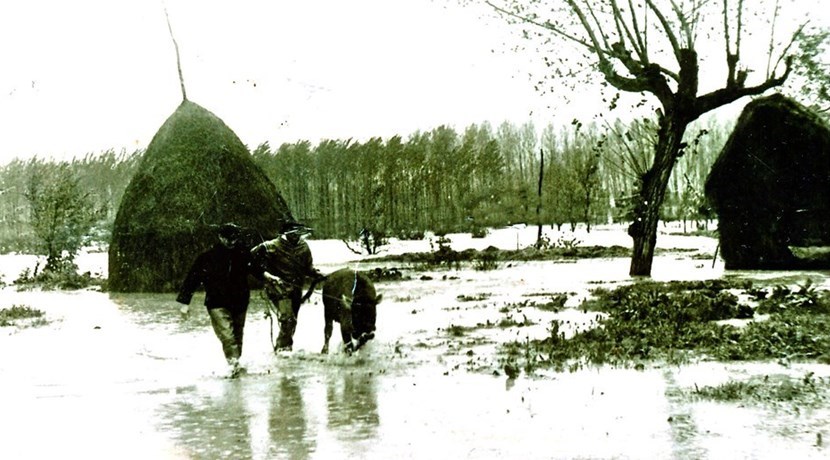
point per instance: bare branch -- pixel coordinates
(544, 25)
(641, 37)
(684, 24)
(645, 78)
(599, 27)
(775, 13)
(619, 24)
(740, 27)
(631, 159)
(725, 96)
(697, 8)
(726, 28)
(624, 31)
(731, 58)
(350, 248)
(591, 34)
(792, 41)
(666, 27)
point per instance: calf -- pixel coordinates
(349, 298)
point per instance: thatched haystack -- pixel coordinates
(195, 175)
(770, 186)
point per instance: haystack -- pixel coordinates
(195, 175)
(770, 186)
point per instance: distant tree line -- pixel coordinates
(47, 206)
(445, 181)
(441, 180)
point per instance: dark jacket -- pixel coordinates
(224, 273)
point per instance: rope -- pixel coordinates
(270, 311)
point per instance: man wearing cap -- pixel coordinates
(287, 264)
(223, 271)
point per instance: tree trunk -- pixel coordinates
(539, 197)
(643, 230)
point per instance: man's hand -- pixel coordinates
(185, 311)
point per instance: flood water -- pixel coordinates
(125, 376)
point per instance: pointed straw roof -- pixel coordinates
(195, 175)
(770, 185)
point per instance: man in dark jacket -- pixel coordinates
(287, 265)
(223, 271)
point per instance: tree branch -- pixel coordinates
(775, 13)
(727, 95)
(786, 49)
(740, 27)
(544, 25)
(731, 59)
(598, 25)
(666, 27)
(624, 31)
(646, 77)
(605, 66)
(641, 39)
(684, 24)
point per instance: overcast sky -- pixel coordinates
(84, 76)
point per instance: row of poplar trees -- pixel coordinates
(445, 181)
(439, 180)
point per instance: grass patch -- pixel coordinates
(672, 322)
(486, 261)
(472, 298)
(455, 330)
(555, 304)
(510, 321)
(9, 316)
(380, 274)
(804, 299)
(807, 390)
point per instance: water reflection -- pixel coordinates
(287, 422)
(352, 405)
(211, 425)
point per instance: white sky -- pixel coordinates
(84, 76)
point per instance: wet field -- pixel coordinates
(125, 376)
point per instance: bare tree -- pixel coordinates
(652, 48)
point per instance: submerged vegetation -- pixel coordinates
(65, 277)
(679, 321)
(16, 314)
(490, 258)
(808, 390)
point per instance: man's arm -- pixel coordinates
(195, 277)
